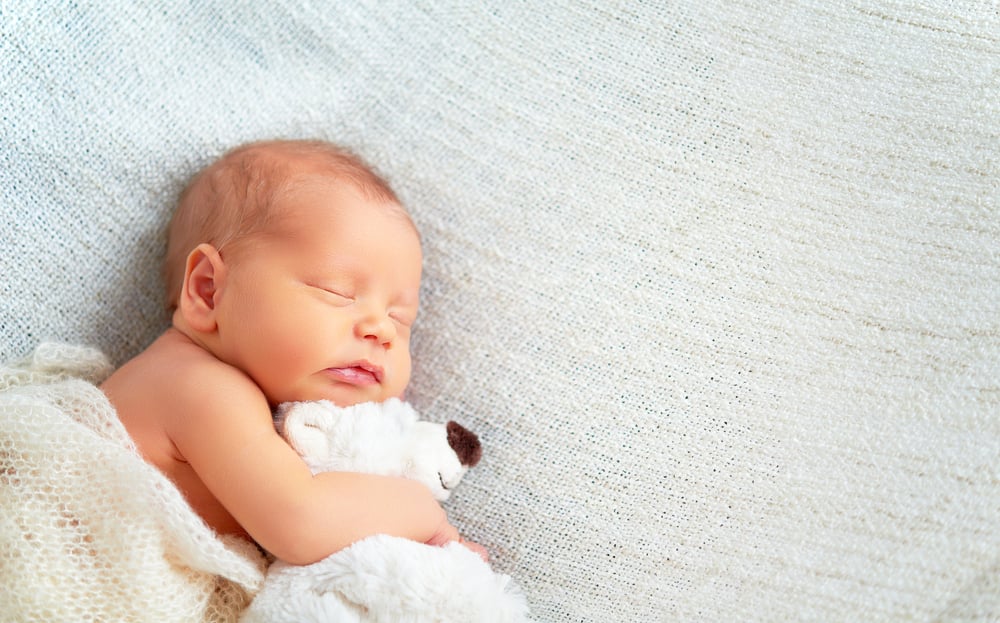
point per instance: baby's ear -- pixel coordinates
(204, 274)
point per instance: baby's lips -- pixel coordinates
(354, 375)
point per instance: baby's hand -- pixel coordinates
(477, 548)
(446, 533)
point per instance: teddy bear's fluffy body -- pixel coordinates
(385, 438)
(385, 579)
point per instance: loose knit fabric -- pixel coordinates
(88, 530)
(716, 283)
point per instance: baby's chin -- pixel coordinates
(339, 394)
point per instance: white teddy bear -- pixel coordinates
(385, 579)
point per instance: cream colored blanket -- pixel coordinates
(88, 530)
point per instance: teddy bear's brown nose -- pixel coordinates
(465, 444)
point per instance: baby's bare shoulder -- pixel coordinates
(220, 388)
(204, 389)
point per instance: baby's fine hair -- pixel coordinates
(231, 199)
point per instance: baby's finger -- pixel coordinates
(446, 533)
(477, 548)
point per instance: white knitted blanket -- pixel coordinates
(88, 530)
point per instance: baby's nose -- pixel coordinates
(378, 328)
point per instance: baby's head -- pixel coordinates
(236, 197)
(294, 262)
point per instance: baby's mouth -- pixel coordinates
(359, 373)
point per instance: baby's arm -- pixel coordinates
(224, 431)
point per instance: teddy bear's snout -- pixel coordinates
(465, 443)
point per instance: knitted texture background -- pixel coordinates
(715, 282)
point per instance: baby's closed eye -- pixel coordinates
(337, 294)
(406, 319)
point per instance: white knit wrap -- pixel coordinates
(88, 530)
(716, 282)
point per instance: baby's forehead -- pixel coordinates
(343, 191)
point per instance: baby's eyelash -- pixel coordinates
(341, 294)
(404, 320)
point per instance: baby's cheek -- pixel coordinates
(299, 345)
(404, 367)
(308, 334)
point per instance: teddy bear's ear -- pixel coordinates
(303, 425)
(465, 443)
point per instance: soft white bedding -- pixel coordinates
(715, 282)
